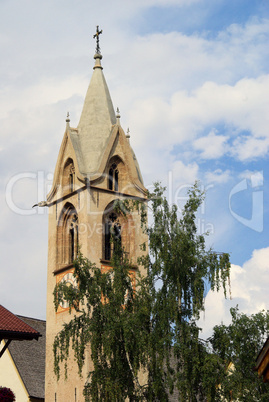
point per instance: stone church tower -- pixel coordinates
(96, 166)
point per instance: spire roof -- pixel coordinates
(96, 121)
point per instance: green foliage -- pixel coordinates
(113, 321)
(154, 328)
(179, 268)
(237, 346)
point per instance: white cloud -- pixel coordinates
(243, 106)
(185, 174)
(249, 290)
(218, 176)
(211, 146)
(183, 119)
(37, 95)
(248, 147)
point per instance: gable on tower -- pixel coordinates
(97, 139)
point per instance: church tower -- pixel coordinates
(96, 166)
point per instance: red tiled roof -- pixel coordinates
(12, 327)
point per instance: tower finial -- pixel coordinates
(128, 134)
(96, 36)
(118, 116)
(67, 119)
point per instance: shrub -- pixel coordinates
(6, 395)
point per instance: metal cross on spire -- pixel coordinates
(96, 36)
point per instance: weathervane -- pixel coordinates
(96, 36)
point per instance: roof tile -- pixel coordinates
(10, 323)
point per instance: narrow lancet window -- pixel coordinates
(116, 180)
(73, 239)
(112, 235)
(72, 245)
(71, 182)
(107, 241)
(113, 178)
(110, 179)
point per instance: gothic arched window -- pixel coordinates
(113, 178)
(118, 230)
(67, 235)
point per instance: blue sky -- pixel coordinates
(201, 18)
(191, 79)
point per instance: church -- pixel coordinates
(96, 166)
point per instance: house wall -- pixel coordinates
(10, 378)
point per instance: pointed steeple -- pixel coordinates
(96, 121)
(98, 108)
